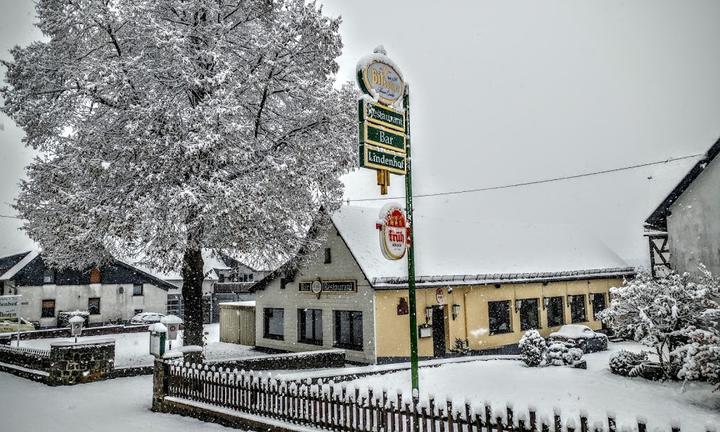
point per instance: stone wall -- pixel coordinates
(25, 357)
(65, 332)
(292, 361)
(82, 362)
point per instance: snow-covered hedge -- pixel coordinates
(678, 316)
(623, 362)
(532, 348)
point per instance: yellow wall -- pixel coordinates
(472, 323)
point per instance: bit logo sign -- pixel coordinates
(393, 231)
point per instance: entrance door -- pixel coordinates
(438, 331)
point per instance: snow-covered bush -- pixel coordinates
(558, 354)
(622, 362)
(573, 355)
(662, 313)
(701, 357)
(532, 348)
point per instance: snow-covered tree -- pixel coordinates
(660, 312)
(532, 348)
(168, 126)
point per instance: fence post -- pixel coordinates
(161, 372)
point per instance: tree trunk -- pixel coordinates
(192, 273)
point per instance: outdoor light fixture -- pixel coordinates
(428, 313)
(518, 304)
(455, 310)
(569, 300)
(546, 302)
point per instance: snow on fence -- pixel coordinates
(26, 351)
(325, 406)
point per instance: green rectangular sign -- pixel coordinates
(382, 137)
(379, 158)
(381, 115)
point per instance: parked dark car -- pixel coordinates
(580, 336)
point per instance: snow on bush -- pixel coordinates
(623, 362)
(558, 354)
(666, 314)
(532, 348)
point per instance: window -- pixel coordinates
(138, 289)
(283, 283)
(310, 326)
(555, 312)
(328, 256)
(274, 323)
(95, 276)
(138, 311)
(49, 276)
(48, 309)
(94, 305)
(577, 308)
(529, 316)
(348, 330)
(251, 277)
(500, 320)
(598, 303)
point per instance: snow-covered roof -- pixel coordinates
(452, 251)
(20, 265)
(248, 303)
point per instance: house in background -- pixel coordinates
(111, 293)
(684, 230)
(479, 286)
(227, 279)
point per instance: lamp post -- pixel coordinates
(172, 323)
(76, 326)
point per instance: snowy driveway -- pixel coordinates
(119, 405)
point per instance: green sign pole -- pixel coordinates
(411, 254)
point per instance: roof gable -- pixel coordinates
(658, 218)
(8, 262)
(30, 268)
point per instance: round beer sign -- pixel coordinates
(393, 231)
(378, 77)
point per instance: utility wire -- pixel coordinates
(533, 182)
(8, 217)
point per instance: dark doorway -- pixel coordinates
(598, 304)
(438, 331)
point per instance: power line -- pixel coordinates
(8, 217)
(533, 182)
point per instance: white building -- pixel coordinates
(111, 293)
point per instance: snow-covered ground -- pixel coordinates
(119, 405)
(133, 349)
(595, 390)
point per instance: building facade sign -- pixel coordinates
(393, 231)
(317, 287)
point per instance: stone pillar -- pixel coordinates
(160, 385)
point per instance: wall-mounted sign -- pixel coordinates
(380, 78)
(330, 286)
(440, 296)
(381, 115)
(382, 159)
(393, 231)
(10, 306)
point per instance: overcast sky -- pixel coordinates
(510, 91)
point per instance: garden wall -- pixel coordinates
(289, 361)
